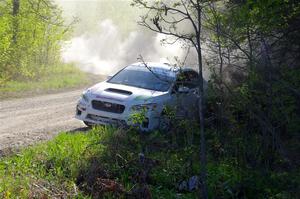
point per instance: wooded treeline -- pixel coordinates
(30, 35)
(256, 79)
(255, 88)
(252, 116)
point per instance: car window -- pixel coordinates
(187, 79)
(142, 77)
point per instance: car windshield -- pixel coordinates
(158, 79)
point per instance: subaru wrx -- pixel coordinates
(139, 86)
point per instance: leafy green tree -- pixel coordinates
(31, 33)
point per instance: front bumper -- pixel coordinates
(85, 112)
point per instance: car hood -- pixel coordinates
(122, 94)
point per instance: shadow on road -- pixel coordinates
(81, 129)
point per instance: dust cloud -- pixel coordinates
(107, 38)
(105, 51)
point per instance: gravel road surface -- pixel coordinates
(27, 121)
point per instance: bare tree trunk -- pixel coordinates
(203, 172)
(15, 12)
(220, 82)
(250, 47)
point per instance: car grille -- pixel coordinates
(108, 107)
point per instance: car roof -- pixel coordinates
(165, 66)
(155, 65)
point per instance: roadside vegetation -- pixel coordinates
(55, 78)
(109, 162)
(252, 50)
(31, 34)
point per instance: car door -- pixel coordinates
(185, 93)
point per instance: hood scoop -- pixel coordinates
(119, 91)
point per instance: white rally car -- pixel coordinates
(139, 86)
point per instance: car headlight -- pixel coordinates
(146, 107)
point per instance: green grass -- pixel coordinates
(70, 166)
(42, 169)
(54, 78)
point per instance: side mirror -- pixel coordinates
(183, 89)
(108, 77)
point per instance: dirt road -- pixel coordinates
(26, 121)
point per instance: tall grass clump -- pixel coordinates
(47, 169)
